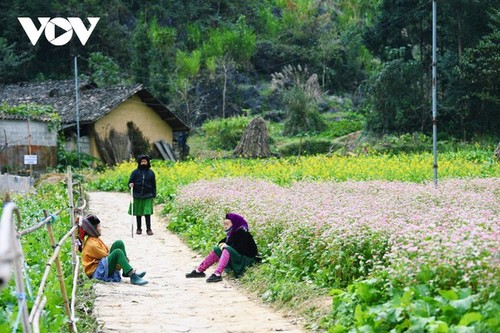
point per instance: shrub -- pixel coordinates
(306, 147)
(303, 115)
(224, 133)
(342, 127)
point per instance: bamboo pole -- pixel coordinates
(36, 319)
(11, 251)
(71, 206)
(37, 226)
(73, 294)
(60, 275)
(47, 271)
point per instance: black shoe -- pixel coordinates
(195, 274)
(214, 278)
(138, 231)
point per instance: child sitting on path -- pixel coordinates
(99, 261)
(236, 251)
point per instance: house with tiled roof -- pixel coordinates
(115, 123)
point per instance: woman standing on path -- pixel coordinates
(101, 262)
(236, 251)
(143, 183)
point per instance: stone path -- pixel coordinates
(170, 302)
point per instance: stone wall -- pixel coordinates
(15, 184)
(19, 138)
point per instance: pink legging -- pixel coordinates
(212, 258)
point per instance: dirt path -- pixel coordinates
(170, 302)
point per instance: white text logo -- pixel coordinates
(49, 26)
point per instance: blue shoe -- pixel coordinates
(137, 280)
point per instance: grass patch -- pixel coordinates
(85, 298)
(306, 302)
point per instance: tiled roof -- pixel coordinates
(6, 116)
(93, 103)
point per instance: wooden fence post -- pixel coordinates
(60, 274)
(71, 213)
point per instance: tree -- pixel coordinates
(162, 51)
(10, 62)
(480, 65)
(480, 70)
(399, 103)
(225, 63)
(402, 39)
(187, 67)
(105, 72)
(140, 55)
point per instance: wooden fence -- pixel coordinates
(12, 258)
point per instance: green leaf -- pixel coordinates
(338, 328)
(449, 295)
(418, 323)
(406, 298)
(359, 315)
(464, 329)
(367, 292)
(403, 326)
(366, 329)
(421, 308)
(463, 305)
(469, 318)
(438, 327)
(334, 292)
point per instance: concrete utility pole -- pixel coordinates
(77, 113)
(434, 93)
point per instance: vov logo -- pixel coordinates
(49, 26)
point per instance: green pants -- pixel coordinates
(237, 262)
(118, 256)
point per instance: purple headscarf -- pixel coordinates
(238, 223)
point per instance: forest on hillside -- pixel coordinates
(220, 58)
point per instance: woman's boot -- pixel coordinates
(137, 280)
(148, 225)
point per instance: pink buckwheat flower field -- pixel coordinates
(455, 226)
(331, 234)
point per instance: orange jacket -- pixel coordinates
(94, 250)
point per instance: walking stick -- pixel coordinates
(132, 211)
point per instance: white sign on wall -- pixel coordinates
(30, 159)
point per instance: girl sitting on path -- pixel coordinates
(99, 261)
(236, 251)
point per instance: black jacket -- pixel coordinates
(144, 183)
(243, 242)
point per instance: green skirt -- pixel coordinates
(237, 262)
(141, 207)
